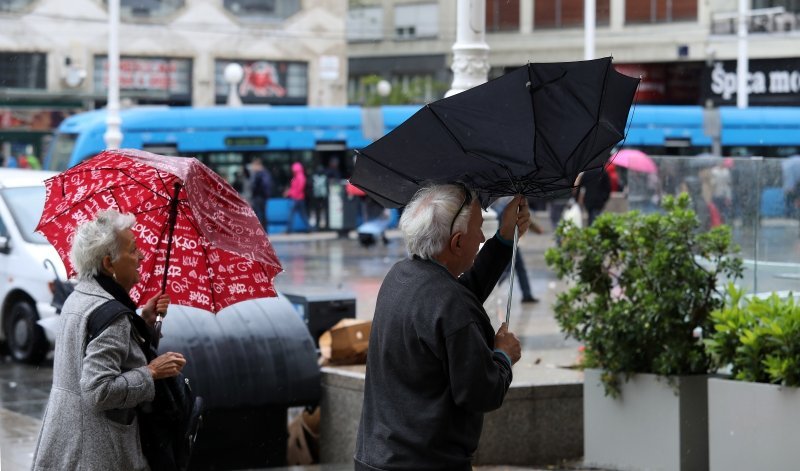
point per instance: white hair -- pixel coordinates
(97, 238)
(425, 222)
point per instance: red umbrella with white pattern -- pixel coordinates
(202, 242)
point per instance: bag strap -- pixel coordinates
(103, 316)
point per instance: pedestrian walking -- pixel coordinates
(437, 365)
(594, 192)
(260, 191)
(297, 193)
(90, 422)
(319, 197)
(520, 272)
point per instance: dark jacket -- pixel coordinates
(431, 369)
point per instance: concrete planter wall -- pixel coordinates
(752, 425)
(650, 426)
(538, 424)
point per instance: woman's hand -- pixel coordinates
(158, 304)
(511, 217)
(167, 365)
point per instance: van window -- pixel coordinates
(26, 204)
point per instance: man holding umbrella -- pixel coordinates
(435, 364)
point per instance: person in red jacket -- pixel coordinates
(297, 193)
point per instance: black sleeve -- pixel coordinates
(490, 263)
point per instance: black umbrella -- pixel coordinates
(531, 131)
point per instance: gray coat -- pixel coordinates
(81, 429)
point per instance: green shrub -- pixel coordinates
(638, 286)
(759, 339)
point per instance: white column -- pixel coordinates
(470, 51)
(525, 16)
(113, 135)
(617, 20)
(742, 71)
(588, 29)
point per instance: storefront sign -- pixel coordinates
(273, 82)
(170, 76)
(769, 82)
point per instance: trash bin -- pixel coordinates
(250, 363)
(321, 309)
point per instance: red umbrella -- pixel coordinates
(202, 243)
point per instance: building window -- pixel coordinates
(263, 9)
(13, 6)
(567, 13)
(23, 70)
(660, 11)
(365, 24)
(502, 15)
(138, 10)
(790, 6)
(415, 21)
(265, 82)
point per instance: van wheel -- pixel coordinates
(26, 340)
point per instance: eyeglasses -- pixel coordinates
(467, 201)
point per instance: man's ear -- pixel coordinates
(455, 242)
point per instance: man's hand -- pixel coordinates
(508, 342)
(512, 217)
(167, 365)
(158, 304)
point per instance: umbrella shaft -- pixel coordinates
(511, 275)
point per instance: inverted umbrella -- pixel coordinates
(531, 131)
(634, 160)
(202, 243)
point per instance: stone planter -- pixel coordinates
(752, 425)
(653, 425)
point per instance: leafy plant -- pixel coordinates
(758, 338)
(638, 287)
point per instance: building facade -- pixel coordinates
(685, 50)
(53, 57)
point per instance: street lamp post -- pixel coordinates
(589, 11)
(741, 63)
(470, 51)
(113, 134)
(233, 75)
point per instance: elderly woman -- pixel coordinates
(91, 421)
(439, 364)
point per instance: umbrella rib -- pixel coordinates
(455, 139)
(134, 181)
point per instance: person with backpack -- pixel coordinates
(260, 190)
(100, 381)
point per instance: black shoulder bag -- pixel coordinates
(168, 426)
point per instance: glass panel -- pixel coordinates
(13, 6)
(365, 24)
(567, 13)
(416, 21)
(133, 10)
(759, 198)
(60, 156)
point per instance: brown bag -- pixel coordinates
(345, 343)
(303, 442)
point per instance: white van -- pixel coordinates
(26, 281)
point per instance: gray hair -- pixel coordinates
(425, 222)
(97, 238)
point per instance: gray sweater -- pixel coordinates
(79, 430)
(431, 369)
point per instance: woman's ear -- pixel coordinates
(107, 264)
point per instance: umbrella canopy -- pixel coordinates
(634, 160)
(531, 131)
(219, 253)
